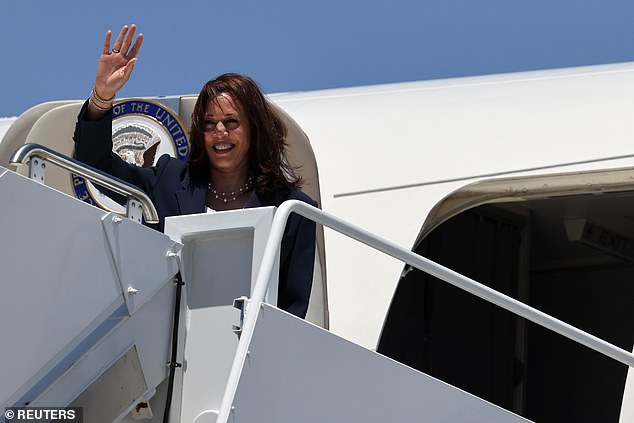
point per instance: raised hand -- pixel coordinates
(115, 67)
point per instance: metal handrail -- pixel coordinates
(271, 251)
(26, 151)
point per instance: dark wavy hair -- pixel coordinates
(266, 131)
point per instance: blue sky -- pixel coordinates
(51, 48)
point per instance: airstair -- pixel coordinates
(130, 324)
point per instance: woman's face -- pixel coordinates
(226, 136)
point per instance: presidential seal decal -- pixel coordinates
(142, 131)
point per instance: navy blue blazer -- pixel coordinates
(175, 191)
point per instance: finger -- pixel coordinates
(117, 44)
(136, 47)
(127, 42)
(106, 43)
(127, 70)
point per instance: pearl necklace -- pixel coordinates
(233, 195)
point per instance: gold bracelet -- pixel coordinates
(94, 105)
(100, 98)
(98, 103)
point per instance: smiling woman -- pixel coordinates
(227, 148)
(237, 160)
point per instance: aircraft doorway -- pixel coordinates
(523, 250)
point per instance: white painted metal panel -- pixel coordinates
(396, 133)
(243, 231)
(295, 371)
(63, 306)
(5, 123)
(221, 256)
(139, 255)
(45, 238)
(149, 330)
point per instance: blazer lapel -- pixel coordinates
(191, 195)
(253, 201)
(256, 200)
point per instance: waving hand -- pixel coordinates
(115, 67)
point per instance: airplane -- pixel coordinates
(522, 182)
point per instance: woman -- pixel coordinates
(237, 159)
